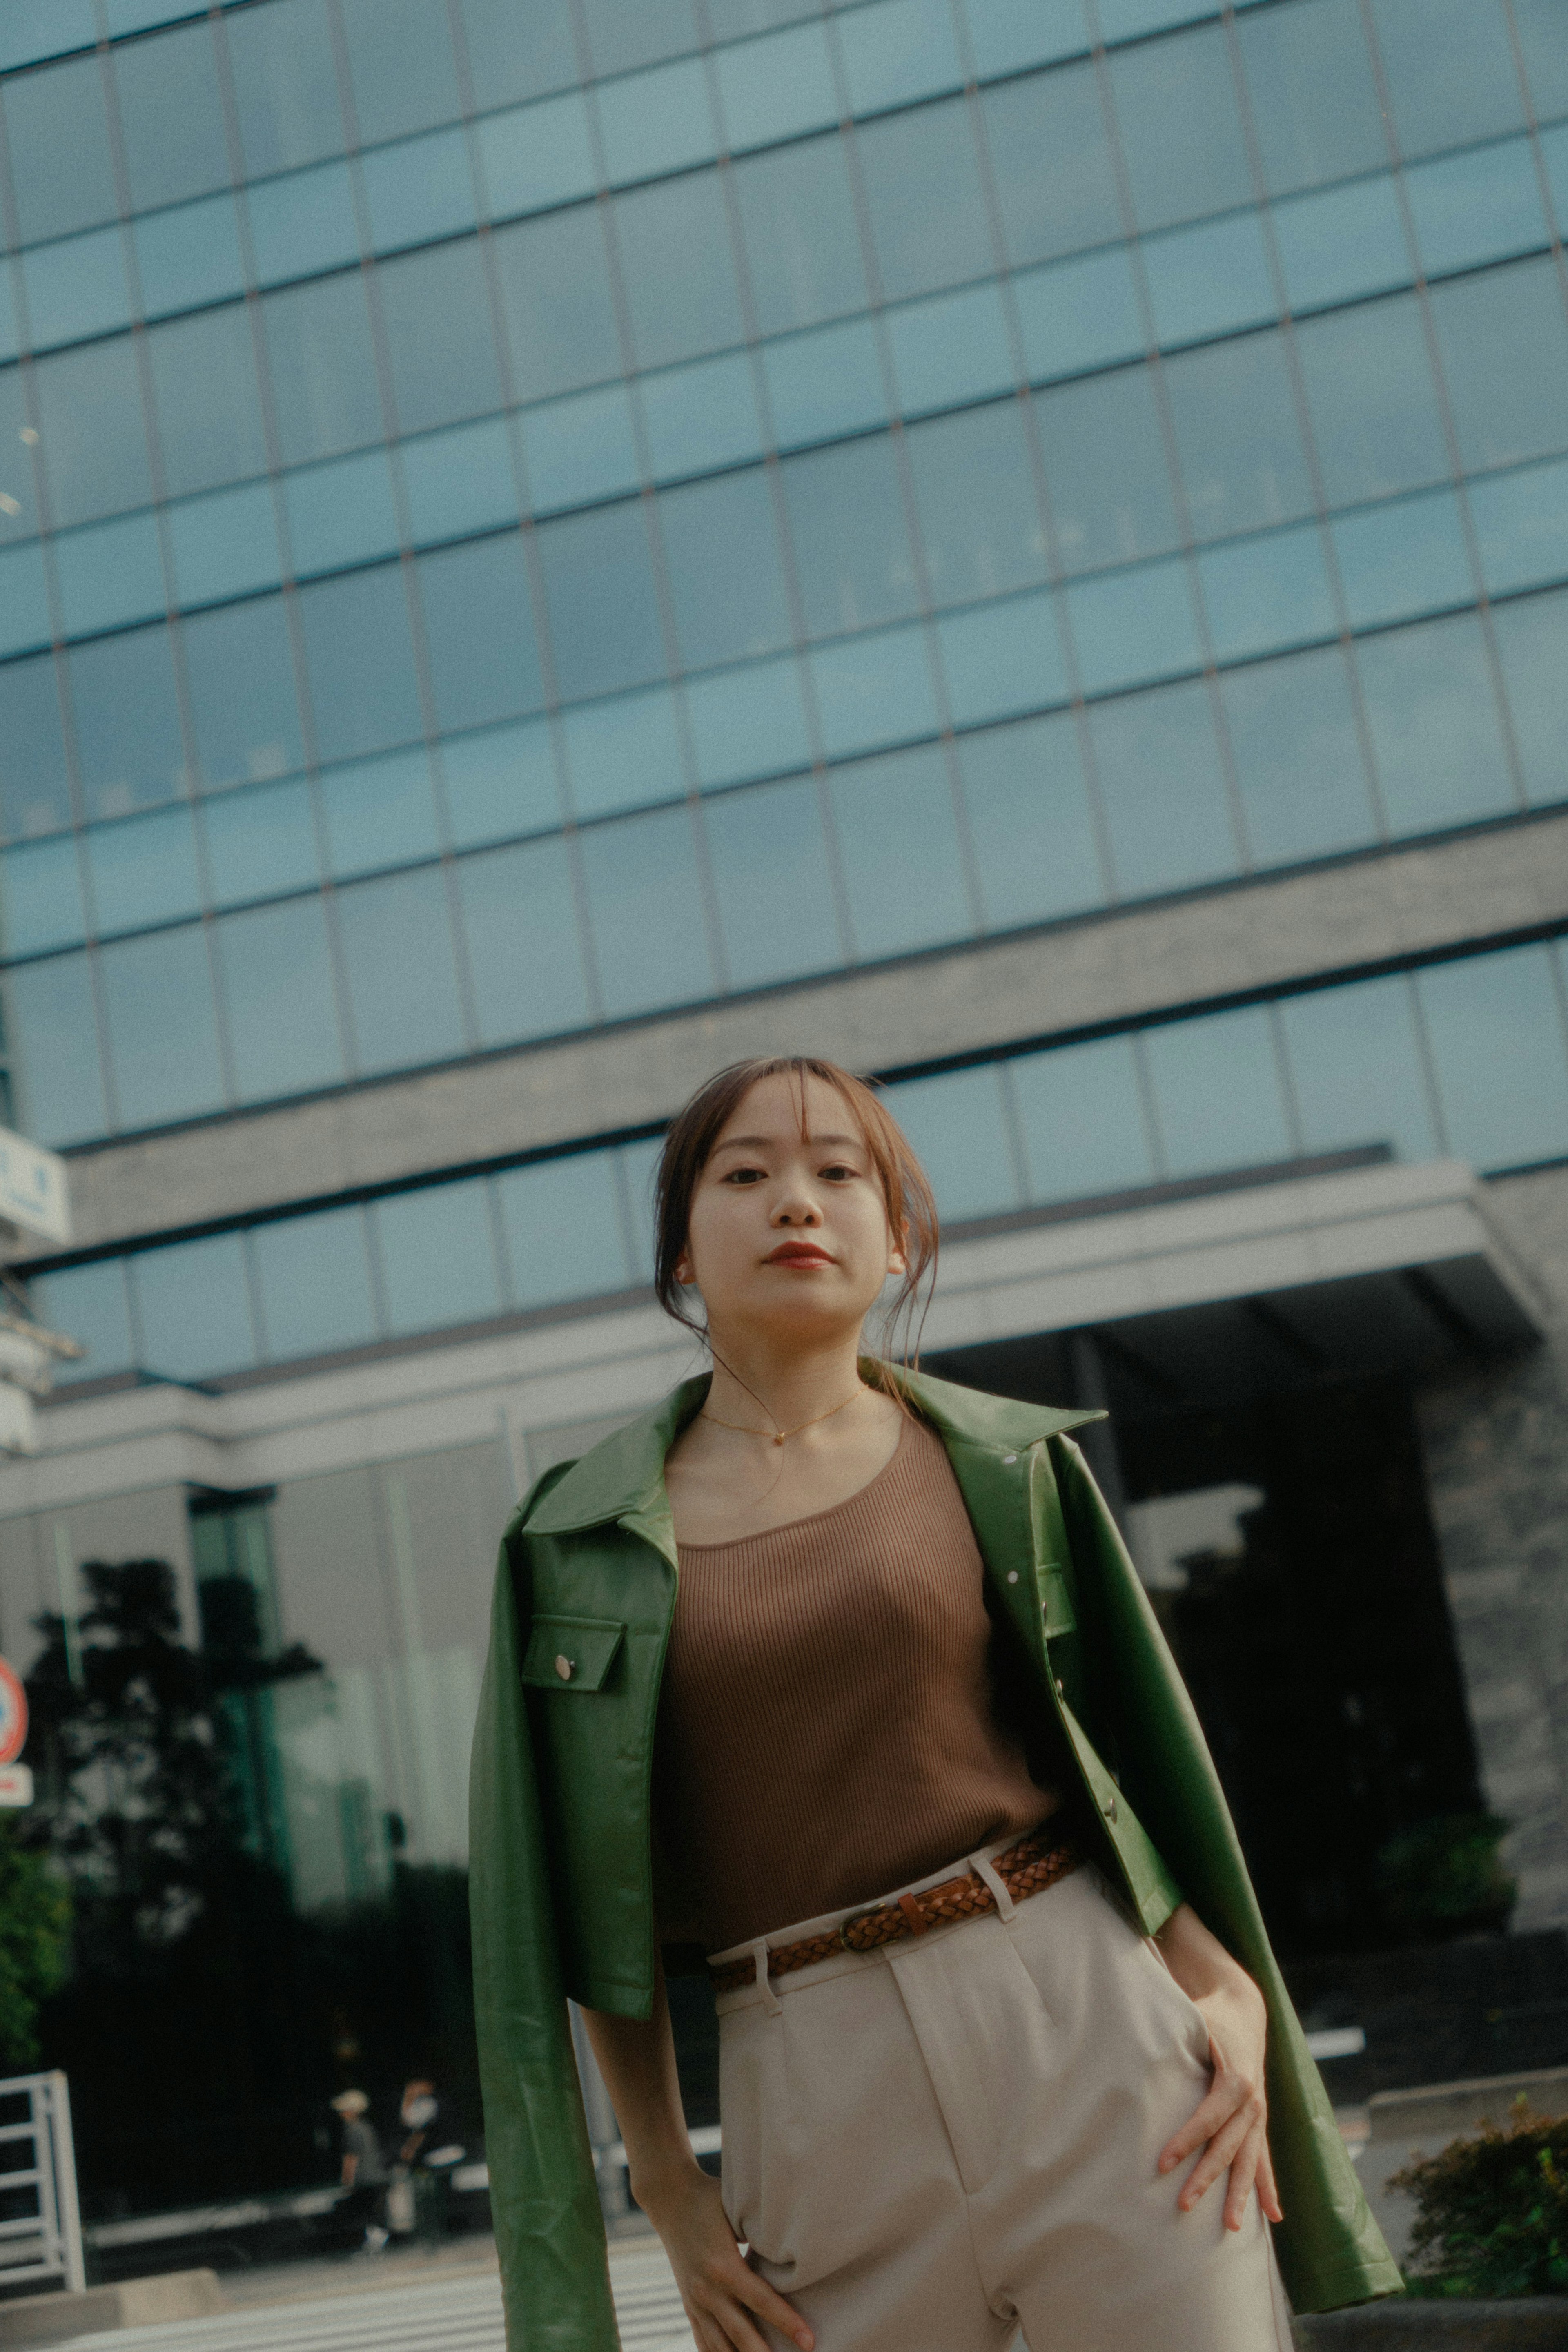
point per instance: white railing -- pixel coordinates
(44, 2243)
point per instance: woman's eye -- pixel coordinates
(839, 1173)
(744, 1176)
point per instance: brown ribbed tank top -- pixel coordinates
(828, 1726)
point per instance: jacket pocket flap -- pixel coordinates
(572, 1654)
(1056, 1603)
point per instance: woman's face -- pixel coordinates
(788, 1231)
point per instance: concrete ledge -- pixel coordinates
(137, 2303)
(1533, 2324)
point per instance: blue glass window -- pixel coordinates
(1451, 70)
(207, 400)
(1531, 638)
(772, 877)
(501, 782)
(928, 218)
(1437, 736)
(897, 830)
(1314, 100)
(1083, 1121)
(519, 917)
(599, 593)
(171, 117)
(360, 658)
(129, 753)
(1219, 1101)
(1076, 315)
(980, 521)
(536, 155)
(958, 1126)
(1404, 558)
(56, 127)
(1209, 280)
(1181, 130)
(1162, 786)
(1477, 207)
(19, 513)
(1298, 757)
(34, 789)
(776, 88)
(1496, 1031)
(1004, 35)
(437, 1255)
(1356, 1069)
(1104, 460)
(401, 66)
(302, 224)
(951, 348)
(25, 619)
(1134, 625)
(562, 1223)
(275, 969)
(51, 1031)
(77, 288)
(1521, 524)
(94, 443)
(825, 382)
(261, 842)
(189, 256)
(163, 1028)
(224, 544)
(479, 628)
(580, 449)
(380, 813)
(91, 1302)
(109, 574)
(41, 897)
(1242, 458)
(1504, 341)
(726, 576)
(873, 690)
(1373, 401)
(620, 38)
(701, 418)
(851, 536)
(1001, 658)
(323, 368)
(340, 514)
(239, 671)
(459, 481)
(654, 122)
(645, 911)
(556, 293)
(1056, 183)
(194, 1309)
(419, 189)
(898, 50)
(403, 1000)
(749, 723)
(512, 57)
(680, 293)
(313, 1282)
(1341, 242)
(1538, 23)
(286, 84)
(436, 308)
(798, 229)
(623, 753)
(1031, 831)
(143, 872)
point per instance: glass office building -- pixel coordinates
(547, 543)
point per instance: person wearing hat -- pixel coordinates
(364, 2171)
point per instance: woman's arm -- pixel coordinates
(717, 2288)
(1232, 2125)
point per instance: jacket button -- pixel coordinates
(1007, 1460)
(1108, 1807)
(565, 1668)
(1060, 1687)
(1012, 1576)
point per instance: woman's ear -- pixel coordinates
(684, 1270)
(897, 1259)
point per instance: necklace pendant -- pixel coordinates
(781, 1436)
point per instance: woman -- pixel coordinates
(846, 1670)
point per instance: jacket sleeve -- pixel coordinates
(549, 2232)
(1329, 2249)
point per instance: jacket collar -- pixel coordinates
(622, 1478)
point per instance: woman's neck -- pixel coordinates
(760, 1387)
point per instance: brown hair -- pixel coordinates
(905, 1188)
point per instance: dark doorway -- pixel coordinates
(1316, 1642)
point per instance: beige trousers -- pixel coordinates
(928, 2146)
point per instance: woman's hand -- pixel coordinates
(1230, 2126)
(720, 2293)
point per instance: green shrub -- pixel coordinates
(1491, 2210)
(1446, 1878)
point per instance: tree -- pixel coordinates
(35, 1946)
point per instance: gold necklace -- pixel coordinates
(777, 1437)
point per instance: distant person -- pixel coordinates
(428, 2152)
(902, 1733)
(364, 2171)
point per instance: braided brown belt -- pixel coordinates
(1026, 1869)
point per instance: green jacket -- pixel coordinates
(561, 1871)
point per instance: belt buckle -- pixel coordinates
(853, 1921)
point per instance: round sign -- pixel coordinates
(13, 1714)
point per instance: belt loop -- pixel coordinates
(993, 1877)
(764, 1982)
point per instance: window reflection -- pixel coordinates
(207, 400)
(261, 842)
(313, 1284)
(91, 1304)
(1477, 207)
(380, 813)
(536, 155)
(35, 787)
(680, 293)
(110, 573)
(323, 368)
(512, 57)
(825, 382)
(981, 524)
(52, 1033)
(1451, 70)
(1217, 1093)
(1403, 558)
(959, 1129)
(1030, 830)
(435, 311)
(749, 723)
(77, 288)
(928, 218)
(41, 903)
(1497, 1047)
(405, 1004)
(56, 127)
(479, 630)
(598, 594)
(1175, 101)
(93, 442)
(128, 748)
(999, 659)
(1209, 280)
(1267, 592)
(1356, 1069)
(1504, 341)
(898, 50)
(620, 38)
(623, 753)
(340, 514)
(771, 874)
(1162, 785)
(798, 229)
(419, 189)
(1083, 1120)
(1299, 764)
(851, 536)
(280, 1006)
(519, 917)
(302, 224)
(1433, 716)
(873, 689)
(1314, 98)
(285, 83)
(239, 672)
(561, 1226)
(437, 1256)
(459, 481)
(727, 575)
(654, 122)
(896, 826)
(401, 64)
(645, 912)
(1373, 401)
(189, 256)
(19, 514)
(579, 450)
(171, 117)
(1056, 183)
(192, 1308)
(360, 659)
(501, 782)
(560, 313)
(951, 348)
(1342, 242)
(1242, 459)
(776, 88)
(1530, 638)
(1105, 460)
(701, 417)
(162, 1027)
(1076, 315)
(144, 871)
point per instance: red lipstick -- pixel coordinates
(798, 1252)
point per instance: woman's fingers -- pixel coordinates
(1216, 2158)
(1268, 2189)
(722, 2297)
